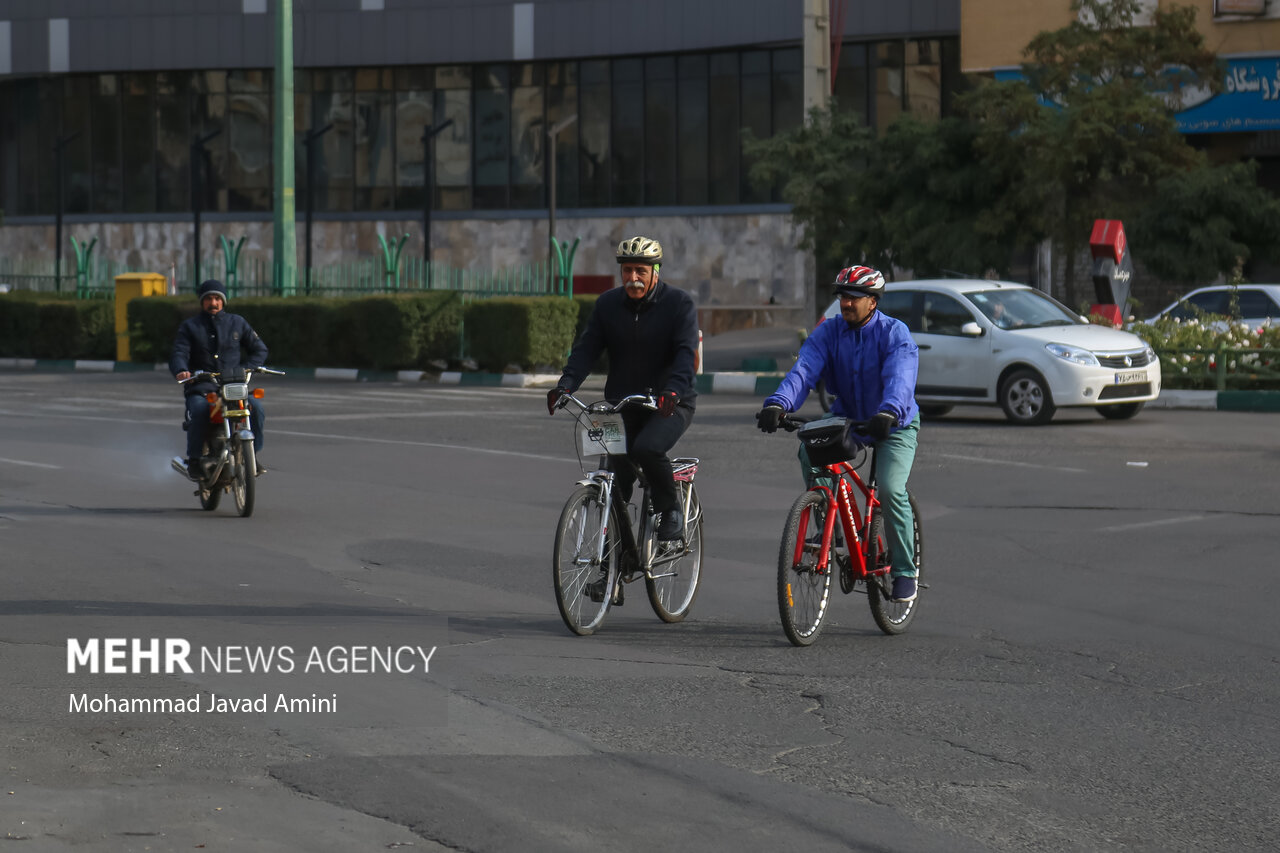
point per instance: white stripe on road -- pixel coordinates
(32, 464)
(439, 445)
(1161, 523)
(987, 461)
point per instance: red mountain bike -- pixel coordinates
(814, 547)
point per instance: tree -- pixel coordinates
(1109, 136)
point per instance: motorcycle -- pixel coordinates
(228, 462)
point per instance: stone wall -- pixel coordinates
(745, 269)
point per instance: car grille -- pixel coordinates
(1138, 389)
(1136, 359)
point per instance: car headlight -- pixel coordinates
(1075, 355)
(1151, 355)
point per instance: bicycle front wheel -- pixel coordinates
(673, 585)
(804, 590)
(893, 617)
(585, 564)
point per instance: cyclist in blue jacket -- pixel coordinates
(869, 362)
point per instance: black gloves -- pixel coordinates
(881, 425)
(553, 399)
(767, 418)
(667, 403)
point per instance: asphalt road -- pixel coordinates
(1094, 665)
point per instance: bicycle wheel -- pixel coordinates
(243, 484)
(803, 590)
(675, 586)
(893, 617)
(584, 575)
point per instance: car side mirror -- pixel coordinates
(971, 330)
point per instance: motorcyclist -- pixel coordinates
(212, 341)
(650, 331)
(870, 363)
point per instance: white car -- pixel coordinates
(1258, 304)
(1006, 344)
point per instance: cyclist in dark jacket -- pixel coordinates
(211, 341)
(650, 332)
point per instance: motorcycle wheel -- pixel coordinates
(242, 486)
(209, 498)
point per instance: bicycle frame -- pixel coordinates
(855, 525)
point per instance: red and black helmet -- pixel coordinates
(861, 280)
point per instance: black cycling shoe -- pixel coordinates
(671, 527)
(193, 469)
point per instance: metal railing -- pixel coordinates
(1220, 369)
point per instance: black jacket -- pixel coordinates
(212, 343)
(652, 344)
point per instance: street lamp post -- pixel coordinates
(57, 231)
(552, 133)
(309, 142)
(428, 184)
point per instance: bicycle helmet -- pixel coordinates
(860, 280)
(639, 250)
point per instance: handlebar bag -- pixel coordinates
(829, 441)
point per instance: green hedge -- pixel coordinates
(1211, 353)
(47, 326)
(528, 331)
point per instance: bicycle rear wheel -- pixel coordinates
(584, 574)
(893, 617)
(672, 591)
(803, 590)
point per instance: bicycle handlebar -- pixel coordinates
(792, 422)
(604, 407)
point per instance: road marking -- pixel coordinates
(1161, 523)
(32, 464)
(1009, 462)
(369, 440)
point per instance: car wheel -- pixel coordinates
(1025, 398)
(1120, 411)
(930, 413)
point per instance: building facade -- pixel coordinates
(661, 91)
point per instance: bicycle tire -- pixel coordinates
(672, 596)
(892, 617)
(803, 591)
(575, 565)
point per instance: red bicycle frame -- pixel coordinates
(856, 527)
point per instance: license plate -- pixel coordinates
(1131, 376)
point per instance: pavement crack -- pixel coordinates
(987, 755)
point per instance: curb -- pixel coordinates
(726, 382)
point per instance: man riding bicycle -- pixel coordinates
(650, 332)
(869, 362)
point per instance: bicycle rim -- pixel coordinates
(892, 617)
(672, 593)
(803, 590)
(577, 571)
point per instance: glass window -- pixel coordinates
(628, 132)
(453, 150)
(888, 83)
(1256, 303)
(723, 141)
(692, 124)
(374, 79)
(335, 151)
(374, 151)
(594, 122)
(757, 113)
(1211, 302)
(924, 78)
(138, 116)
(77, 182)
(562, 102)
(493, 136)
(660, 175)
(528, 136)
(851, 80)
(413, 119)
(8, 151)
(173, 142)
(943, 315)
(248, 176)
(903, 305)
(108, 187)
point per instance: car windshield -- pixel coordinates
(1022, 309)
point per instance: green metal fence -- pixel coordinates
(1220, 369)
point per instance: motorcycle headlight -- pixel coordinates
(235, 391)
(1075, 355)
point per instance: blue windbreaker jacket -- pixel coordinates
(869, 369)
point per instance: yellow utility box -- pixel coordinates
(131, 285)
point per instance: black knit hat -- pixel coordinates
(214, 287)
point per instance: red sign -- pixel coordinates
(1107, 239)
